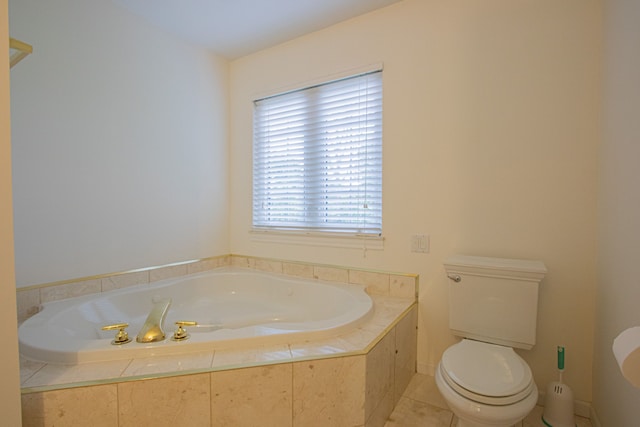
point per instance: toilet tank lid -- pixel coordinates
(488, 265)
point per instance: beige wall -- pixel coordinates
(120, 143)
(490, 142)
(9, 367)
(618, 290)
(491, 129)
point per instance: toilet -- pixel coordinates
(493, 307)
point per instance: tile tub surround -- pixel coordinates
(28, 299)
(397, 285)
(324, 383)
(378, 359)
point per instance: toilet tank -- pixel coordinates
(494, 299)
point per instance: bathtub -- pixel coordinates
(233, 307)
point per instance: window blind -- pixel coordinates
(317, 158)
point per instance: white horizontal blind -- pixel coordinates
(317, 158)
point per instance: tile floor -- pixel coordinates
(421, 405)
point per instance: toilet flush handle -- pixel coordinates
(455, 277)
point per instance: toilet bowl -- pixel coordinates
(485, 384)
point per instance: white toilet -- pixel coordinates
(493, 306)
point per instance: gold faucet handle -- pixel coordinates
(186, 323)
(181, 334)
(122, 337)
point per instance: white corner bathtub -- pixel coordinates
(233, 307)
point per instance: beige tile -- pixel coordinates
(382, 412)
(250, 357)
(363, 336)
(53, 374)
(386, 310)
(402, 286)
(583, 422)
(423, 389)
(534, 419)
(376, 283)
(252, 396)
(380, 372)
(206, 265)
(125, 280)
(268, 265)
(28, 368)
(172, 402)
(329, 392)
(71, 407)
(244, 262)
(168, 272)
(373, 329)
(406, 351)
(331, 274)
(28, 303)
(172, 363)
(299, 270)
(70, 290)
(318, 348)
(411, 412)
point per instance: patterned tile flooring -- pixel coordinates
(421, 405)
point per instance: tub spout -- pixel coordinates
(152, 329)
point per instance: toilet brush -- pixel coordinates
(558, 402)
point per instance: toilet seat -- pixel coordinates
(486, 373)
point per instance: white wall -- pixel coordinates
(120, 155)
(491, 127)
(9, 366)
(618, 290)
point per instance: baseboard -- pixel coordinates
(425, 368)
(582, 408)
(595, 421)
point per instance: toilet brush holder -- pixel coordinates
(558, 402)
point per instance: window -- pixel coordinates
(317, 158)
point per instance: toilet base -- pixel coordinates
(474, 414)
(464, 423)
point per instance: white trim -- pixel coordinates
(426, 368)
(593, 416)
(307, 238)
(582, 408)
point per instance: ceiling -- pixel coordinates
(234, 28)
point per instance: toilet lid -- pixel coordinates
(486, 372)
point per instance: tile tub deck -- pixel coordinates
(353, 379)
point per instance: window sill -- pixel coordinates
(306, 238)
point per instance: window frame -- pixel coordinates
(330, 235)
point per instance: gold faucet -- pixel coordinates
(152, 329)
(122, 337)
(181, 333)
